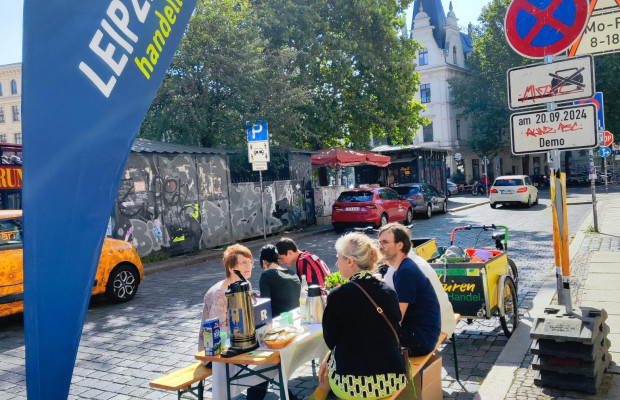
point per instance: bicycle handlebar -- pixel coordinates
(483, 227)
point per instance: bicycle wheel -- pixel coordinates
(511, 314)
(514, 271)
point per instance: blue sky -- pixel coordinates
(11, 17)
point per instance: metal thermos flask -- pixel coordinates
(241, 316)
(315, 304)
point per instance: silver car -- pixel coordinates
(512, 189)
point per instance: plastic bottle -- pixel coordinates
(303, 295)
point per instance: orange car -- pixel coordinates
(119, 273)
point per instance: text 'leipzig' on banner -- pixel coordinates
(536, 84)
(563, 129)
(536, 29)
(90, 72)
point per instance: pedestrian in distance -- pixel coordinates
(305, 262)
(421, 317)
(279, 284)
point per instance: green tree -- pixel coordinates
(358, 68)
(482, 91)
(321, 73)
(223, 75)
(608, 81)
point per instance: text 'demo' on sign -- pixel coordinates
(564, 129)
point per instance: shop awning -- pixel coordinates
(337, 156)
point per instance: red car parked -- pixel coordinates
(370, 206)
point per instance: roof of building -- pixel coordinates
(387, 148)
(467, 42)
(149, 146)
(435, 11)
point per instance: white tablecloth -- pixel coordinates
(308, 345)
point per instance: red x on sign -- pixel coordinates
(537, 28)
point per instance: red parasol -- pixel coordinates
(337, 156)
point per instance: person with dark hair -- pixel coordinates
(307, 263)
(281, 285)
(421, 323)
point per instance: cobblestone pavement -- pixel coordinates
(523, 386)
(125, 346)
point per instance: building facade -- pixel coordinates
(446, 47)
(11, 103)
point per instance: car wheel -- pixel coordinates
(536, 201)
(429, 211)
(339, 228)
(529, 202)
(409, 217)
(122, 283)
(493, 205)
(445, 207)
(448, 194)
(511, 311)
(383, 221)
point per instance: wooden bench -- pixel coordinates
(182, 380)
(417, 363)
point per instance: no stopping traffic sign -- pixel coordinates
(538, 28)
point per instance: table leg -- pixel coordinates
(227, 382)
(283, 391)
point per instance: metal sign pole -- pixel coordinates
(593, 188)
(554, 180)
(262, 202)
(605, 174)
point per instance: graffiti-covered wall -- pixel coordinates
(182, 203)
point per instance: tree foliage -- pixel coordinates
(482, 93)
(320, 73)
(608, 81)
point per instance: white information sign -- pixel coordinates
(602, 32)
(258, 152)
(259, 166)
(563, 129)
(536, 84)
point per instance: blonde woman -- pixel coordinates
(365, 361)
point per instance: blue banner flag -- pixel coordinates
(90, 72)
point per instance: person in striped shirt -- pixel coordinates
(306, 263)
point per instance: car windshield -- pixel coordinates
(354, 197)
(10, 232)
(508, 182)
(407, 189)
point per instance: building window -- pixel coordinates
(425, 93)
(427, 133)
(15, 113)
(3, 138)
(18, 138)
(423, 54)
(1, 115)
(13, 86)
(454, 54)
(458, 129)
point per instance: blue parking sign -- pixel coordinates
(257, 131)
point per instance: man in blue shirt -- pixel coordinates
(421, 323)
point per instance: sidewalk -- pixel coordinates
(595, 270)
(455, 204)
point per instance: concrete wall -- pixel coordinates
(182, 203)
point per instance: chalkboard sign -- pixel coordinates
(464, 287)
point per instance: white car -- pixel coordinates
(513, 189)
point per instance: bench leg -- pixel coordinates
(199, 391)
(456, 361)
